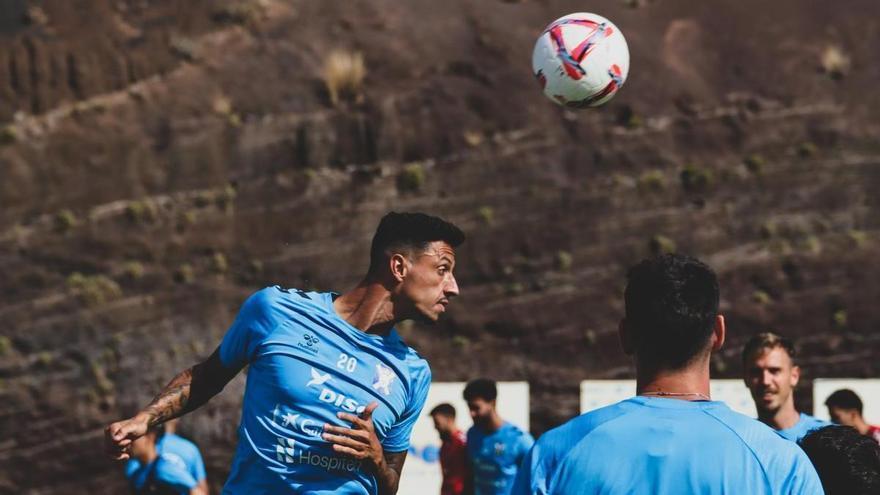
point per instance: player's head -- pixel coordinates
(414, 254)
(480, 395)
(847, 461)
(770, 371)
(844, 407)
(672, 315)
(444, 419)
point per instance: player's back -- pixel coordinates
(666, 446)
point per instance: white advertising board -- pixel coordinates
(867, 389)
(421, 473)
(600, 393)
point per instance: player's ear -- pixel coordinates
(718, 332)
(795, 375)
(626, 340)
(399, 266)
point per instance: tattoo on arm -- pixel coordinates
(388, 475)
(190, 389)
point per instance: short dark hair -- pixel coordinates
(766, 341)
(481, 388)
(847, 461)
(444, 409)
(410, 231)
(671, 306)
(844, 399)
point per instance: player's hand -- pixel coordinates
(359, 441)
(119, 436)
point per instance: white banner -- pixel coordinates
(601, 393)
(867, 389)
(421, 473)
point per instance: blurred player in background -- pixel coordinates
(332, 390)
(157, 472)
(495, 447)
(847, 461)
(845, 408)
(179, 450)
(453, 451)
(671, 439)
(771, 375)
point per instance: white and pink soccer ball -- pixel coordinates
(581, 60)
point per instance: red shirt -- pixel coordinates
(453, 462)
(874, 432)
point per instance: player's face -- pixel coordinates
(481, 411)
(771, 378)
(443, 424)
(430, 284)
(842, 416)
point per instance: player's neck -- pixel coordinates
(367, 307)
(688, 383)
(863, 427)
(783, 418)
(494, 424)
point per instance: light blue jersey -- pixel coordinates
(496, 456)
(306, 365)
(178, 450)
(164, 473)
(666, 447)
(803, 426)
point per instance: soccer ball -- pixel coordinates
(581, 60)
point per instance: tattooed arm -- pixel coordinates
(184, 393)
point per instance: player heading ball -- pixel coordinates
(333, 391)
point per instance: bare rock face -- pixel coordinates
(161, 160)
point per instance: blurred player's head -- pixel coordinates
(845, 407)
(770, 371)
(144, 448)
(444, 419)
(414, 255)
(672, 315)
(480, 395)
(847, 462)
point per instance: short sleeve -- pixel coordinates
(398, 436)
(803, 479)
(255, 321)
(524, 443)
(198, 468)
(172, 475)
(522, 485)
(531, 477)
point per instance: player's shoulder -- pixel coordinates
(276, 301)
(178, 444)
(565, 436)
(813, 422)
(766, 444)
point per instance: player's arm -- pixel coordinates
(388, 474)
(187, 391)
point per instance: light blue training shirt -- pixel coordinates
(306, 365)
(666, 447)
(496, 456)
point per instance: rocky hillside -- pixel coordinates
(161, 159)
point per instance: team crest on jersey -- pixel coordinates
(383, 379)
(499, 449)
